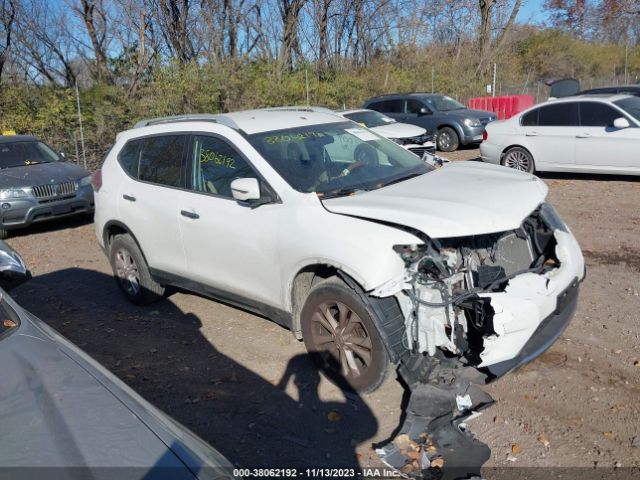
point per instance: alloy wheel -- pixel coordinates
(127, 272)
(518, 160)
(340, 336)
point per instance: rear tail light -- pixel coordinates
(96, 180)
(485, 135)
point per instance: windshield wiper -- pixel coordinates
(340, 192)
(403, 178)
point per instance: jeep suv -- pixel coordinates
(367, 253)
(451, 122)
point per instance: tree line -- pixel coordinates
(134, 58)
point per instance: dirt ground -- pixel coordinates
(246, 386)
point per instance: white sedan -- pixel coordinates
(593, 134)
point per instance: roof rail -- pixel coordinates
(300, 108)
(192, 117)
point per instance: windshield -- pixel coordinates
(336, 159)
(630, 105)
(19, 154)
(443, 103)
(369, 118)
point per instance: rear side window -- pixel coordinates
(594, 114)
(161, 159)
(375, 106)
(129, 157)
(558, 115)
(530, 119)
(392, 106)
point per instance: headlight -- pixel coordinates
(11, 193)
(85, 181)
(472, 122)
(551, 217)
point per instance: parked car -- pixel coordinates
(452, 123)
(37, 184)
(366, 252)
(60, 409)
(413, 138)
(589, 133)
(621, 89)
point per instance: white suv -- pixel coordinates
(372, 262)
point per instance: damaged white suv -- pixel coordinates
(364, 251)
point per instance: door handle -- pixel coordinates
(531, 134)
(188, 214)
(583, 135)
(129, 198)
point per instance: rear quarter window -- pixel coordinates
(558, 115)
(129, 157)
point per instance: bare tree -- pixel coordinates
(290, 46)
(175, 22)
(94, 17)
(8, 13)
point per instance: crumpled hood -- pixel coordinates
(399, 130)
(459, 199)
(40, 174)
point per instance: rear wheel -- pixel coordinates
(341, 337)
(132, 273)
(519, 159)
(447, 139)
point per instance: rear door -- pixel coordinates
(150, 194)
(391, 108)
(600, 145)
(550, 133)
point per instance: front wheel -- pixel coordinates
(341, 337)
(447, 139)
(519, 159)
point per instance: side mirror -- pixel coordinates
(245, 189)
(621, 123)
(13, 271)
(424, 111)
(62, 155)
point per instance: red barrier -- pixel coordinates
(504, 106)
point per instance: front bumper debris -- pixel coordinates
(475, 309)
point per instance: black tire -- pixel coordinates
(344, 342)
(4, 234)
(447, 139)
(132, 272)
(519, 158)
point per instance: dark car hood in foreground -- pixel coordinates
(40, 174)
(60, 408)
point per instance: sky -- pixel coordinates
(531, 11)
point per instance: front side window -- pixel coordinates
(414, 106)
(558, 115)
(442, 103)
(594, 114)
(19, 154)
(631, 105)
(215, 164)
(161, 159)
(336, 159)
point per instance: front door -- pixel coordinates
(600, 145)
(230, 247)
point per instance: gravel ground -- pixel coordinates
(246, 386)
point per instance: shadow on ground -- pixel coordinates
(52, 226)
(587, 176)
(161, 352)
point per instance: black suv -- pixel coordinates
(451, 122)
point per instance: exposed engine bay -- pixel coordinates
(444, 292)
(470, 302)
